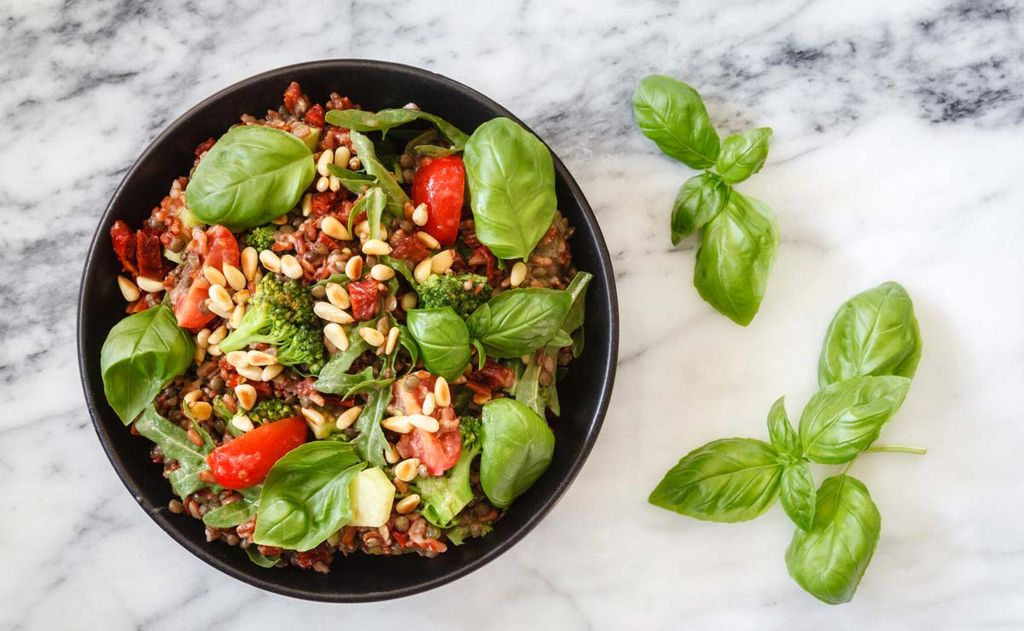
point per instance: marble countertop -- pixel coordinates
(897, 155)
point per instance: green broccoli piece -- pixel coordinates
(280, 313)
(444, 497)
(269, 410)
(463, 293)
(261, 237)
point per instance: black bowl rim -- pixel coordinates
(162, 519)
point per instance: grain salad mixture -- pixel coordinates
(345, 330)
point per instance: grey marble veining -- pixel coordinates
(898, 128)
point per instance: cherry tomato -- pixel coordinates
(247, 460)
(438, 452)
(188, 304)
(440, 185)
(221, 247)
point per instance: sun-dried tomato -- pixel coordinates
(408, 247)
(365, 302)
(149, 252)
(322, 203)
(292, 95)
(493, 375)
(491, 263)
(123, 239)
(205, 146)
(315, 116)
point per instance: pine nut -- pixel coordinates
(270, 261)
(129, 290)
(349, 416)
(220, 297)
(280, 221)
(333, 183)
(398, 424)
(336, 335)
(234, 276)
(373, 337)
(407, 504)
(428, 240)
(390, 303)
(214, 275)
(442, 261)
(307, 204)
(354, 163)
(214, 350)
(203, 338)
(338, 296)
(314, 416)
(409, 301)
(424, 422)
(219, 309)
(260, 358)
(217, 335)
(518, 274)
(354, 268)
(327, 157)
(407, 469)
(242, 423)
(150, 285)
(246, 395)
(420, 215)
(382, 272)
(237, 358)
(322, 184)
(250, 261)
(341, 156)
(251, 373)
(392, 341)
(236, 316)
(290, 267)
(376, 247)
(391, 454)
(442, 393)
(327, 311)
(192, 396)
(199, 355)
(422, 270)
(335, 229)
(201, 410)
(241, 297)
(429, 404)
(270, 372)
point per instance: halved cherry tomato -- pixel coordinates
(438, 452)
(440, 185)
(221, 248)
(247, 460)
(188, 304)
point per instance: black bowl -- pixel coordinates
(584, 392)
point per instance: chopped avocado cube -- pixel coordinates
(371, 494)
(312, 139)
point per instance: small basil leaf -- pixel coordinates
(230, 515)
(730, 480)
(517, 448)
(843, 419)
(386, 119)
(672, 114)
(737, 250)
(175, 445)
(577, 290)
(396, 196)
(354, 181)
(744, 154)
(443, 340)
(783, 437)
(829, 560)
(873, 333)
(253, 174)
(261, 559)
(370, 443)
(511, 181)
(796, 494)
(305, 497)
(141, 355)
(699, 200)
(519, 321)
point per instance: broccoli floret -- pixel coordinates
(463, 293)
(269, 410)
(261, 237)
(280, 313)
(443, 497)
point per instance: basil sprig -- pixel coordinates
(738, 234)
(838, 524)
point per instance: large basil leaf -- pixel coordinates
(737, 250)
(784, 439)
(443, 340)
(517, 447)
(699, 200)
(305, 497)
(796, 493)
(384, 120)
(829, 560)
(370, 443)
(744, 154)
(873, 333)
(253, 174)
(511, 187)
(843, 419)
(175, 445)
(519, 321)
(140, 356)
(397, 198)
(672, 114)
(730, 480)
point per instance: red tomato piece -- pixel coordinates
(188, 304)
(291, 95)
(438, 452)
(247, 460)
(123, 239)
(440, 185)
(315, 116)
(221, 247)
(364, 299)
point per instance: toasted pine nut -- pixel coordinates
(429, 404)
(376, 247)
(338, 296)
(389, 347)
(424, 422)
(335, 229)
(217, 335)
(252, 373)
(307, 204)
(409, 301)
(354, 163)
(271, 371)
(341, 156)
(442, 393)
(407, 504)
(201, 410)
(327, 157)
(315, 417)
(428, 240)
(518, 274)
(382, 272)
(280, 221)
(237, 358)
(221, 310)
(336, 335)
(220, 297)
(354, 268)
(214, 350)
(200, 354)
(373, 337)
(213, 275)
(440, 262)
(260, 358)
(192, 396)
(406, 470)
(246, 395)
(234, 277)
(203, 338)
(391, 454)
(290, 267)
(420, 215)
(241, 297)
(422, 270)
(236, 316)
(349, 416)
(250, 260)
(399, 424)
(323, 184)
(333, 183)
(327, 311)
(129, 290)
(150, 285)
(270, 261)
(242, 423)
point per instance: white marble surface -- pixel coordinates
(897, 155)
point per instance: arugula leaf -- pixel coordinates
(354, 181)
(175, 445)
(334, 377)
(370, 443)
(396, 196)
(384, 120)
(231, 515)
(261, 559)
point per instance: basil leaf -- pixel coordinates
(352, 180)
(384, 120)
(261, 559)
(175, 445)
(784, 439)
(305, 497)
(334, 377)
(829, 560)
(396, 197)
(796, 493)
(730, 480)
(517, 448)
(519, 321)
(577, 290)
(253, 174)
(141, 355)
(699, 200)
(844, 418)
(873, 333)
(443, 340)
(744, 154)
(230, 515)
(737, 250)
(511, 181)
(370, 443)
(672, 114)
